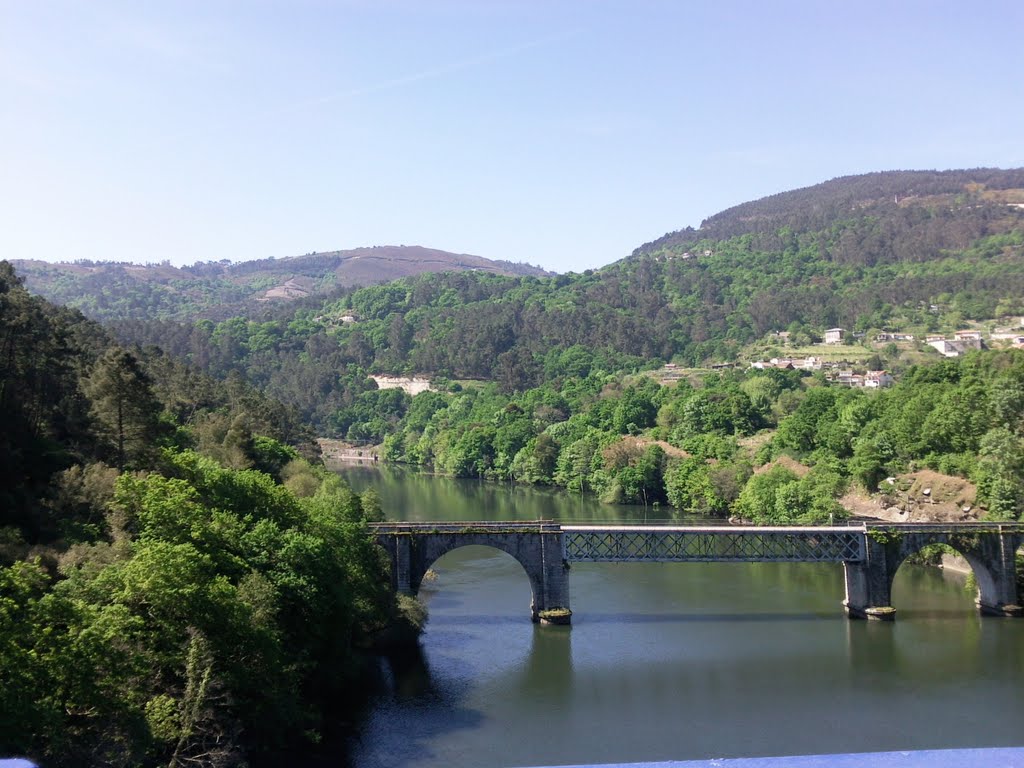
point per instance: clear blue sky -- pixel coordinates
(563, 134)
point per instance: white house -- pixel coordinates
(878, 379)
(955, 348)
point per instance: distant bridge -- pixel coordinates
(870, 554)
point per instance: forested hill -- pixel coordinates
(895, 197)
(111, 291)
(928, 264)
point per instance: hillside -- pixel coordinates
(887, 195)
(924, 264)
(112, 291)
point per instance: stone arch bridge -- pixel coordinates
(870, 554)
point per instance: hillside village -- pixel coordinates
(842, 371)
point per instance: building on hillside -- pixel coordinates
(878, 379)
(846, 377)
(967, 336)
(955, 347)
(894, 337)
(782, 363)
(412, 385)
(946, 347)
(834, 335)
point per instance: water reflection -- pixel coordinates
(410, 495)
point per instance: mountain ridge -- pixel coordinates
(844, 195)
(216, 289)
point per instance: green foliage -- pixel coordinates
(201, 613)
(641, 481)
(778, 497)
(125, 408)
(690, 488)
(759, 500)
(634, 411)
(43, 352)
(236, 610)
(271, 456)
(580, 437)
(867, 465)
(1000, 474)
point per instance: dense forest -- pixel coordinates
(180, 580)
(768, 446)
(221, 289)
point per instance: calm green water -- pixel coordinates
(676, 661)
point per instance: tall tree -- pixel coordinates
(124, 407)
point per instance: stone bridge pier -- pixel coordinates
(536, 547)
(991, 553)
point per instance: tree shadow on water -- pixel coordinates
(411, 710)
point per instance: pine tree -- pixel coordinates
(124, 407)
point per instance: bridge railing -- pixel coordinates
(713, 544)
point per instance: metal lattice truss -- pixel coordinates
(620, 544)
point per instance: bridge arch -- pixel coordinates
(537, 547)
(433, 554)
(987, 555)
(987, 592)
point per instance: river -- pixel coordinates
(675, 661)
